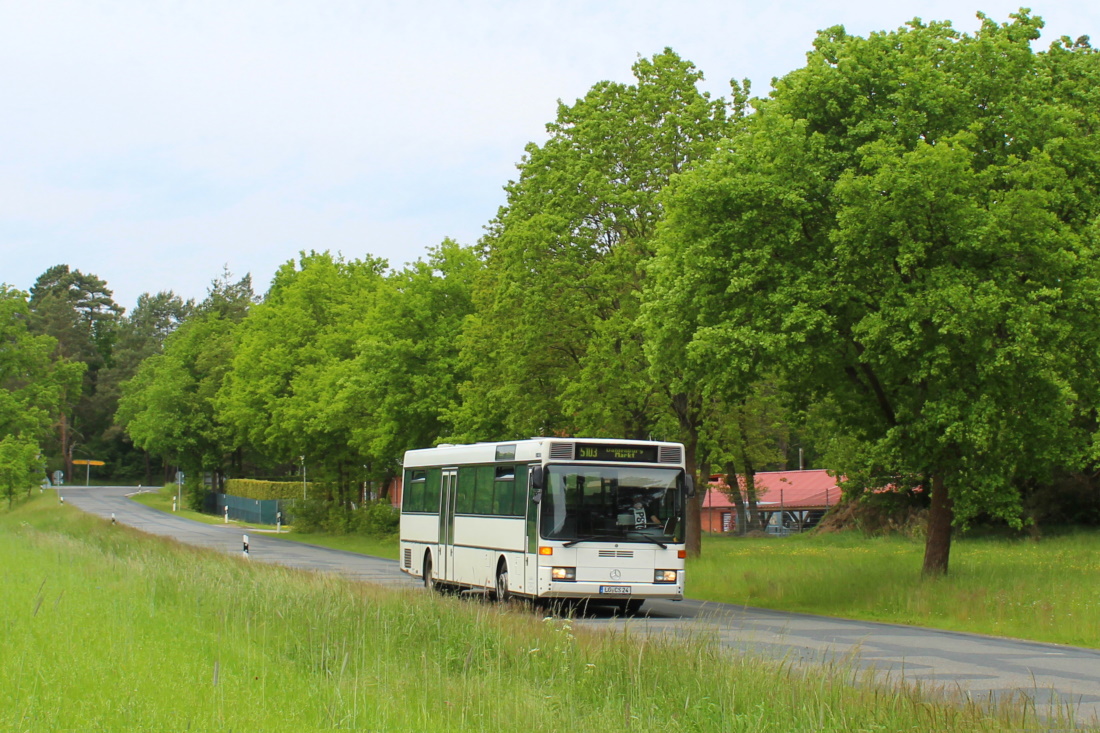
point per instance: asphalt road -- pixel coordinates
(966, 665)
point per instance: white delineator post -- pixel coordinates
(245, 546)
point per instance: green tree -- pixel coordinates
(398, 391)
(907, 230)
(167, 408)
(77, 310)
(554, 346)
(21, 466)
(33, 385)
(141, 334)
(277, 395)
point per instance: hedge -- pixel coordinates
(248, 488)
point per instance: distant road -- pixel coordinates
(969, 665)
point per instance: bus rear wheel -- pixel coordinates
(500, 591)
(429, 581)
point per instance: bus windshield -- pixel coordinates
(612, 503)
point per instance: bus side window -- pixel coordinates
(412, 496)
(519, 500)
(504, 491)
(431, 491)
(464, 498)
(483, 499)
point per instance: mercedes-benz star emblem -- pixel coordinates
(615, 575)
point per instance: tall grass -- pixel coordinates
(1045, 590)
(106, 629)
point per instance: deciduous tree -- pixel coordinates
(908, 228)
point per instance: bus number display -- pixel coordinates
(611, 452)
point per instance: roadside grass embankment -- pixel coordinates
(108, 629)
(1043, 590)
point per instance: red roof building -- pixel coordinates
(785, 498)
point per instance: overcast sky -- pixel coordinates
(152, 143)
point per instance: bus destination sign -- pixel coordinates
(616, 452)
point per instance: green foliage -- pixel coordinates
(21, 466)
(372, 519)
(195, 493)
(906, 228)
(33, 386)
(553, 345)
(279, 378)
(247, 488)
(167, 408)
(397, 392)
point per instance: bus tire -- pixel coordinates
(429, 581)
(631, 607)
(500, 590)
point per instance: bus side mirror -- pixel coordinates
(538, 479)
(689, 485)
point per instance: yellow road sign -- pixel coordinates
(83, 462)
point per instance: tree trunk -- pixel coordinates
(693, 536)
(66, 449)
(741, 526)
(750, 471)
(937, 548)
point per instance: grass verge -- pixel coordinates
(1046, 590)
(107, 629)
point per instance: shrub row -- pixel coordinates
(373, 519)
(248, 488)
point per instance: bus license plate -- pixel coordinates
(615, 590)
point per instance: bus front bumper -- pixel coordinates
(612, 591)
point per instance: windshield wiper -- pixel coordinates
(655, 541)
(595, 538)
(614, 538)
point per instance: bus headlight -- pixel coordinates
(664, 576)
(563, 573)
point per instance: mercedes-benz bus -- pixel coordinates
(548, 518)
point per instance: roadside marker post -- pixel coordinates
(226, 514)
(246, 545)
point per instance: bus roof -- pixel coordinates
(553, 449)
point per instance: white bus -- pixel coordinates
(548, 518)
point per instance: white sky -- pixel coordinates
(152, 142)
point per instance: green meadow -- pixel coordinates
(108, 629)
(1043, 590)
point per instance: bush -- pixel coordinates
(196, 493)
(374, 519)
(248, 488)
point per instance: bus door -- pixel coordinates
(445, 550)
(531, 555)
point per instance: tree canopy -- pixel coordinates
(906, 229)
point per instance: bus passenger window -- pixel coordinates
(464, 497)
(483, 499)
(504, 490)
(431, 491)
